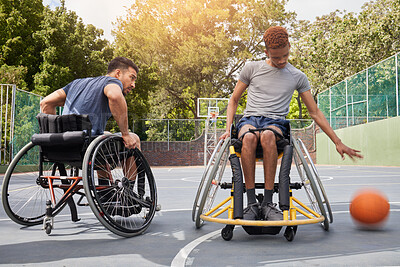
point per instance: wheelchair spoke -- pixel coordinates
(127, 202)
(24, 193)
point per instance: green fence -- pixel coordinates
(19, 109)
(370, 95)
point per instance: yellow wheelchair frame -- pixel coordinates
(317, 211)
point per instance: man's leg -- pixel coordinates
(248, 158)
(270, 159)
(130, 168)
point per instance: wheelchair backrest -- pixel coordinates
(63, 123)
(63, 138)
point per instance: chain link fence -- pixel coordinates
(370, 95)
(19, 109)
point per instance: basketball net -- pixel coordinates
(214, 115)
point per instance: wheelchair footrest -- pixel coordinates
(262, 230)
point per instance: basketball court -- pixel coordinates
(173, 240)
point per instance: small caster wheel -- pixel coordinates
(325, 224)
(48, 228)
(290, 232)
(227, 232)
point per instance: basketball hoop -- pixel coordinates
(213, 114)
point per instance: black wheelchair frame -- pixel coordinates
(317, 211)
(64, 161)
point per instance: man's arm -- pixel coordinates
(56, 99)
(232, 106)
(317, 115)
(119, 110)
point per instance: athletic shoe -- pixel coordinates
(269, 212)
(252, 212)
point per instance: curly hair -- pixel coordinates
(276, 37)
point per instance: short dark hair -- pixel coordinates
(121, 63)
(276, 37)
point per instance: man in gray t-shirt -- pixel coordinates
(270, 85)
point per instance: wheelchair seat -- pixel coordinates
(63, 138)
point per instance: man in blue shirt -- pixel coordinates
(99, 97)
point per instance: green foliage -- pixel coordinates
(69, 49)
(341, 44)
(295, 112)
(18, 20)
(198, 46)
(13, 75)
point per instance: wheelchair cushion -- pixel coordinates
(69, 138)
(63, 138)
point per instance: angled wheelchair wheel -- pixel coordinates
(119, 186)
(25, 191)
(210, 181)
(201, 187)
(312, 182)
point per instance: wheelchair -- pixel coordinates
(230, 210)
(64, 161)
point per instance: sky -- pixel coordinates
(102, 13)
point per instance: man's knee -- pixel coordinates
(250, 140)
(268, 138)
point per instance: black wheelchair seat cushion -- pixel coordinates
(67, 138)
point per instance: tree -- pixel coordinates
(69, 50)
(341, 44)
(13, 75)
(197, 45)
(18, 20)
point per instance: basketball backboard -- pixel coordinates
(207, 105)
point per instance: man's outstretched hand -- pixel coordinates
(342, 149)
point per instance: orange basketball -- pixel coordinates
(369, 208)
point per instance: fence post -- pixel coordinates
(12, 122)
(366, 73)
(168, 133)
(330, 106)
(347, 107)
(397, 85)
(1, 124)
(5, 126)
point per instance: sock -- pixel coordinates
(267, 196)
(251, 196)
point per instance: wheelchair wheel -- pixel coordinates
(318, 179)
(210, 182)
(119, 186)
(312, 183)
(200, 189)
(24, 193)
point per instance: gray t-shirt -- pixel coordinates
(86, 96)
(270, 89)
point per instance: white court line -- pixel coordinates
(180, 258)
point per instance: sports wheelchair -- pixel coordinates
(230, 210)
(43, 178)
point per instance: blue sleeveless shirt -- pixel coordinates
(86, 96)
